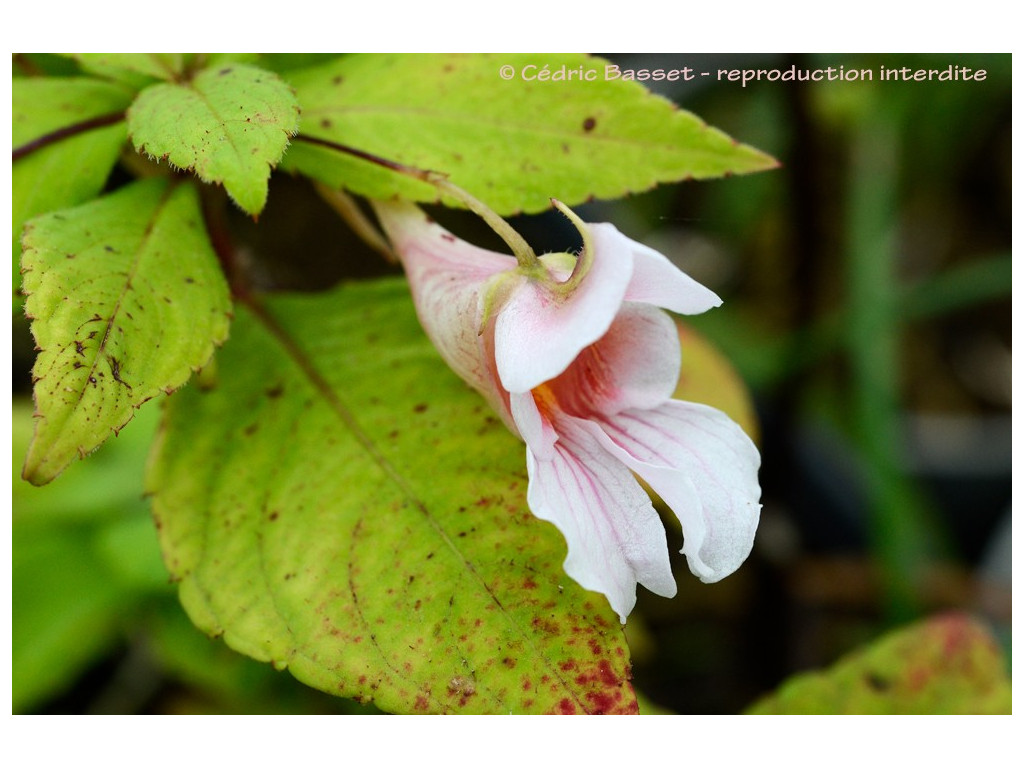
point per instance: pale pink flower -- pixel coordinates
(581, 363)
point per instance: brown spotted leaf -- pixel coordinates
(66, 137)
(342, 505)
(229, 124)
(946, 665)
(513, 129)
(126, 299)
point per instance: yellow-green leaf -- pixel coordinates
(229, 124)
(947, 665)
(514, 142)
(342, 505)
(73, 168)
(126, 299)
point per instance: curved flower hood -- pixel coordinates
(581, 362)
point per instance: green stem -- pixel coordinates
(520, 248)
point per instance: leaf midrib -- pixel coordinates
(461, 118)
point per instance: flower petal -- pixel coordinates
(634, 365)
(704, 467)
(447, 277)
(655, 279)
(536, 431)
(615, 537)
(540, 331)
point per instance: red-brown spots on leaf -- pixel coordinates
(602, 703)
(463, 687)
(544, 625)
(421, 705)
(509, 662)
(589, 124)
(566, 707)
(529, 583)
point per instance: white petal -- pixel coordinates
(655, 279)
(535, 430)
(539, 331)
(446, 277)
(615, 537)
(634, 365)
(704, 467)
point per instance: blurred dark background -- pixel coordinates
(867, 307)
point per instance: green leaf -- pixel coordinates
(126, 299)
(513, 143)
(230, 125)
(342, 505)
(161, 66)
(946, 665)
(72, 169)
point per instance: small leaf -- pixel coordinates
(74, 168)
(126, 299)
(341, 504)
(945, 665)
(230, 125)
(514, 143)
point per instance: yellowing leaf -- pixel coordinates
(342, 505)
(126, 298)
(947, 665)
